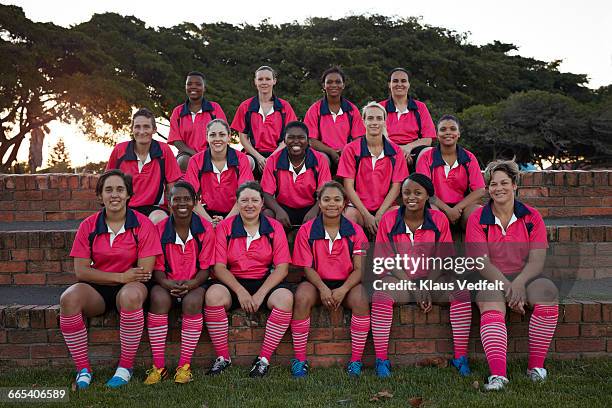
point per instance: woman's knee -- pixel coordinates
(542, 291)
(160, 300)
(217, 295)
(132, 296)
(193, 301)
(357, 301)
(281, 299)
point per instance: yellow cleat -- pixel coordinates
(183, 374)
(155, 375)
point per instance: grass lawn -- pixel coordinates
(585, 383)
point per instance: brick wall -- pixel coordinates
(51, 197)
(41, 257)
(30, 336)
(47, 197)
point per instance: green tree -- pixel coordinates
(59, 158)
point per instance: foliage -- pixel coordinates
(59, 158)
(98, 71)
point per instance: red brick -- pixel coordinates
(7, 216)
(73, 182)
(6, 207)
(48, 351)
(595, 330)
(596, 211)
(5, 279)
(84, 195)
(42, 182)
(565, 212)
(606, 312)
(406, 314)
(27, 195)
(13, 352)
(433, 316)
(27, 336)
(247, 349)
(28, 216)
(51, 317)
(61, 279)
(533, 192)
(567, 330)
(403, 332)
(340, 333)
(241, 333)
(12, 267)
(59, 181)
(564, 234)
(29, 279)
(333, 348)
(58, 216)
(583, 201)
(444, 346)
(591, 312)
(432, 331)
(75, 205)
(56, 195)
(2, 336)
(44, 266)
(323, 333)
(572, 313)
(103, 335)
(37, 317)
(414, 347)
(573, 346)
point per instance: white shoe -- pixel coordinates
(496, 383)
(537, 374)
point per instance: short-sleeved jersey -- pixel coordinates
(264, 134)
(198, 253)
(278, 181)
(461, 180)
(190, 131)
(218, 191)
(150, 182)
(311, 248)
(392, 236)
(372, 184)
(334, 133)
(508, 251)
(92, 241)
(407, 127)
(271, 249)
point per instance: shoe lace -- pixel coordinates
(297, 366)
(354, 367)
(219, 363)
(260, 367)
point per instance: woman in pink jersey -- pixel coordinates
(455, 173)
(333, 121)
(189, 120)
(114, 252)
(251, 262)
(416, 230)
(188, 244)
(330, 249)
(373, 168)
(513, 238)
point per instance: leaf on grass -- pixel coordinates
(433, 362)
(476, 385)
(344, 401)
(73, 387)
(381, 395)
(415, 402)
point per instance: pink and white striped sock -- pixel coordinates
(382, 316)
(217, 325)
(157, 326)
(299, 333)
(276, 326)
(461, 320)
(542, 327)
(191, 330)
(494, 340)
(360, 326)
(75, 334)
(131, 325)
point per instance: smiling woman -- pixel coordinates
(292, 177)
(150, 163)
